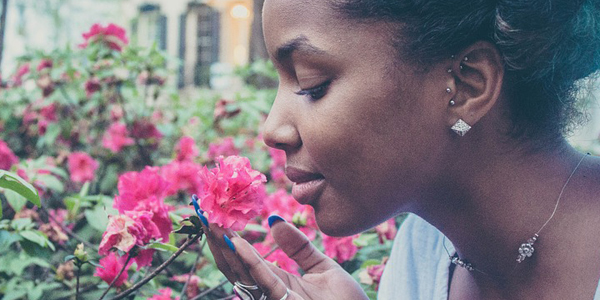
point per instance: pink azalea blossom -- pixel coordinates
(225, 109)
(112, 265)
(146, 130)
(165, 294)
(145, 191)
(44, 64)
(342, 249)
(112, 36)
(7, 156)
(386, 230)
(116, 137)
(278, 257)
(92, 86)
(372, 274)
(186, 149)
(21, 72)
(182, 176)
(193, 288)
(232, 192)
(225, 147)
(283, 204)
(128, 230)
(48, 112)
(81, 167)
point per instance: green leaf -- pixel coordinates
(16, 201)
(98, 217)
(163, 247)
(34, 236)
(69, 257)
(15, 183)
(7, 239)
(95, 264)
(84, 189)
(51, 182)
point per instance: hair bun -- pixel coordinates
(549, 39)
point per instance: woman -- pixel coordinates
(452, 110)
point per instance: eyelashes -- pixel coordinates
(315, 93)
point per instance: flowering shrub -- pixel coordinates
(116, 154)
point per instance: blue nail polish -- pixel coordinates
(199, 212)
(274, 218)
(204, 220)
(229, 243)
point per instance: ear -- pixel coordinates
(478, 73)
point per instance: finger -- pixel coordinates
(243, 277)
(260, 270)
(299, 248)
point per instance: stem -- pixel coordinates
(117, 277)
(192, 271)
(158, 270)
(77, 287)
(68, 231)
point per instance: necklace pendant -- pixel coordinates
(526, 250)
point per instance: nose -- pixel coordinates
(280, 130)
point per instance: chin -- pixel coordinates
(338, 226)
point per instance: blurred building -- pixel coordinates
(209, 37)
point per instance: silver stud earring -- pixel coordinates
(461, 127)
(448, 90)
(450, 70)
(452, 103)
(466, 58)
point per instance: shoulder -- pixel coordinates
(418, 264)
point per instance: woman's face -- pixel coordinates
(363, 132)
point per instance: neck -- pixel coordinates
(500, 204)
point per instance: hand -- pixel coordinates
(324, 278)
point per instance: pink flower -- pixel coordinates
(44, 64)
(372, 274)
(283, 204)
(7, 157)
(21, 72)
(387, 230)
(92, 85)
(165, 294)
(278, 257)
(192, 289)
(186, 149)
(144, 129)
(232, 192)
(225, 109)
(116, 137)
(145, 191)
(112, 266)
(48, 112)
(341, 249)
(128, 230)
(112, 36)
(183, 176)
(225, 147)
(81, 167)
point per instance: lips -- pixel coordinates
(307, 186)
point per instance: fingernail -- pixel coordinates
(274, 218)
(229, 243)
(199, 211)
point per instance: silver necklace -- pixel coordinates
(526, 249)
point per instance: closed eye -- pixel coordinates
(315, 93)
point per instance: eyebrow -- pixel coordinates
(300, 43)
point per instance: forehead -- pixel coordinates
(316, 23)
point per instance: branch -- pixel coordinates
(192, 271)
(117, 277)
(159, 269)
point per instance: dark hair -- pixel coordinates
(547, 46)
